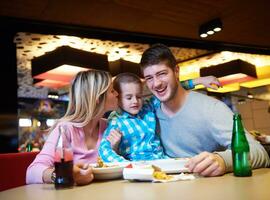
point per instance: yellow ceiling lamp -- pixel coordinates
(256, 83)
(230, 74)
(227, 88)
(56, 69)
(122, 66)
(63, 73)
(224, 89)
(263, 78)
(51, 83)
(191, 69)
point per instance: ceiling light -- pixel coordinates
(190, 69)
(249, 95)
(203, 35)
(217, 29)
(256, 83)
(50, 83)
(53, 95)
(236, 71)
(210, 32)
(50, 122)
(57, 68)
(209, 28)
(121, 66)
(241, 101)
(25, 122)
(63, 73)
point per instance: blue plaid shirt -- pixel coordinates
(139, 139)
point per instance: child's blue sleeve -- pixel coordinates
(151, 104)
(113, 116)
(188, 84)
(106, 153)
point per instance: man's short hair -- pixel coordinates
(156, 54)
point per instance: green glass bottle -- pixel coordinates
(240, 149)
(29, 146)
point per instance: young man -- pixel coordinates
(192, 124)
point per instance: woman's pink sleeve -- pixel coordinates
(43, 161)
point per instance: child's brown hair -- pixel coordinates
(125, 78)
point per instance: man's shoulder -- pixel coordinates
(209, 103)
(202, 98)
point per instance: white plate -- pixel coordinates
(113, 171)
(171, 165)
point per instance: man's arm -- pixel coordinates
(207, 81)
(258, 155)
(263, 139)
(220, 120)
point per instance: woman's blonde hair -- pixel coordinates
(87, 96)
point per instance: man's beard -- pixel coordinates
(173, 93)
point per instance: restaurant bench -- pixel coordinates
(13, 168)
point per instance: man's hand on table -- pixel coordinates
(264, 139)
(82, 174)
(207, 164)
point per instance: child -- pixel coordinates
(136, 122)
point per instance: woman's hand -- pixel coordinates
(114, 138)
(47, 175)
(82, 174)
(208, 82)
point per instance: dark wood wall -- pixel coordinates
(8, 95)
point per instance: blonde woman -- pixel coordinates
(91, 95)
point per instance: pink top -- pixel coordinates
(81, 153)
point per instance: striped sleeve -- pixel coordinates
(151, 104)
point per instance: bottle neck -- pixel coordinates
(238, 126)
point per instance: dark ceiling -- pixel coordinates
(245, 22)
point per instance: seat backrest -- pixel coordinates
(13, 168)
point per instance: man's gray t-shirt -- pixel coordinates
(203, 124)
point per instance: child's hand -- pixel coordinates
(114, 138)
(208, 82)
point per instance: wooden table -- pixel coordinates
(226, 187)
